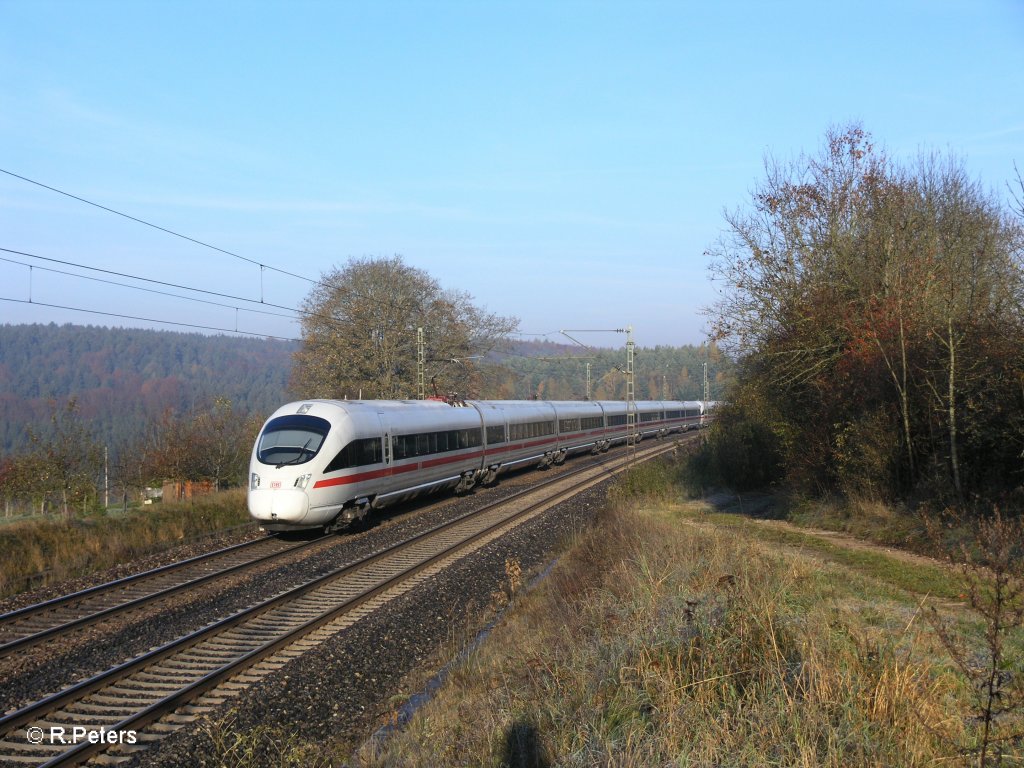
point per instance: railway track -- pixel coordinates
(133, 705)
(55, 618)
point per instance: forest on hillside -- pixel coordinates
(122, 377)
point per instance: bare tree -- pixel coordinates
(210, 443)
(970, 252)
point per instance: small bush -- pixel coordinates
(991, 565)
(740, 452)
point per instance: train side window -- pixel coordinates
(469, 438)
(429, 443)
(371, 451)
(495, 435)
(358, 453)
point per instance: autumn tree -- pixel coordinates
(970, 247)
(359, 330)
(210, 443)
(877, 312)
(225, 437)
(63, 469)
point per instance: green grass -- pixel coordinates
(921, 579)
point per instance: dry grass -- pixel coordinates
(40, 552)
(659, 643)
(265, 746)
(865, 518)
(672, 634)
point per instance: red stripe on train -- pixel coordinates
(357, 478)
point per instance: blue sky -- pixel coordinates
(564, 162)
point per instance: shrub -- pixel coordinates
(741, 452)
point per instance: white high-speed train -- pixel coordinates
(325, 463)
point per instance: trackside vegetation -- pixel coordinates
(876, 310)
(36, 553)
(672, 634)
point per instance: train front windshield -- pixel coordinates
(292, 439)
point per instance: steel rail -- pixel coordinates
(57, 602)
(154, 712)
(8, 621)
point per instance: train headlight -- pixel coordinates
(254, 481)
(301, 482)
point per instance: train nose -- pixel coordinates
(286, 505)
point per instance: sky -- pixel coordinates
(565, 163)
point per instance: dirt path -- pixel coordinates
(754, 505)
(756, 508)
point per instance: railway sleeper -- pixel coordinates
(159, 729)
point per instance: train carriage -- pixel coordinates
(581, 428)
(531, 429)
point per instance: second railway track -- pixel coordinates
(145, 697)
(39, 623)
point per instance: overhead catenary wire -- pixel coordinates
(32, 267)
(333, 321)
(261, 265)
(166, 284)
(148, 319)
